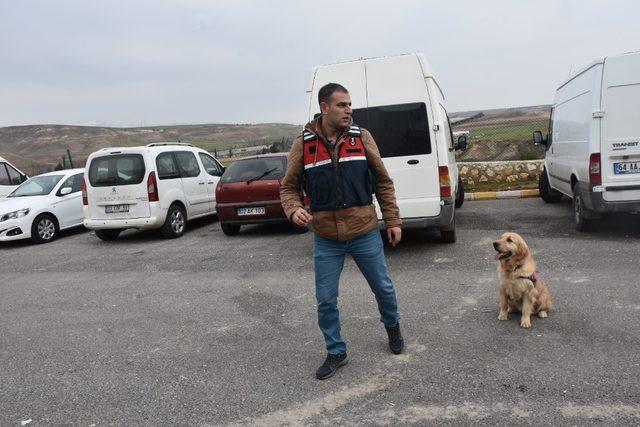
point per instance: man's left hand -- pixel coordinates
(395, 235)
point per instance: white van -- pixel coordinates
(160, 185)
(593, 144)
(10, 177)
(399, 101)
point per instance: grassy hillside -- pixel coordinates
(37, 147)
(502, 134)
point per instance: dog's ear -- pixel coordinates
(522, 250)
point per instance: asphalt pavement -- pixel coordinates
(210, 330)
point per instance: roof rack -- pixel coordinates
(159, 144)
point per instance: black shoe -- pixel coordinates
(396, 343)
(331, 365)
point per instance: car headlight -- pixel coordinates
(15, 214)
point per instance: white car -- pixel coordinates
(158, 186)
(42, 206)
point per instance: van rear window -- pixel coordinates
(119, 169)
(399, 130)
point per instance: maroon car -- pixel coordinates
(249, 193)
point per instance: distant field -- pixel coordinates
(505, 134)
(38, 148)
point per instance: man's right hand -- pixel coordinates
(301, 217)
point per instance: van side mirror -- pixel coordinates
(462, 142)
(538, 139)
(66, 190)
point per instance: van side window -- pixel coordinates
(4, 176)
(188, 164)
(166, 166)
(14, 176)
(210, 165)
(399, 130)
(447, 128)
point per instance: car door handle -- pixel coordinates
(201, 183)
(413, 162)
(210, 182)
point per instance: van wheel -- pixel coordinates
(460, 194)
(448, 232)
(175, 223)
(580, 213)
(548, 194)
(108, 235)
(44, 229)
(230, 229)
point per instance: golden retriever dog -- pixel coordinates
(520, 289)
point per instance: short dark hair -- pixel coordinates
(325, 92)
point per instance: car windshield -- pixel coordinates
(255, 169)
(37, 186)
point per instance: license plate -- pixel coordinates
(251, 211)
(626, 167)
(116, 208)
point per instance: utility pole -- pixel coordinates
(70, 159)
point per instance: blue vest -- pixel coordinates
(341, 184)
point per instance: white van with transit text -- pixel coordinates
(593, 142)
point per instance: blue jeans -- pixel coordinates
(368, 253)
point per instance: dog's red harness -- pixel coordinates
(533, 278)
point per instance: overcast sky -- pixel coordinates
(124, 63)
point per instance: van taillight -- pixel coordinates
(218, 188)
(594, 169)
(85, 200)
(445, 182)
(152, 187)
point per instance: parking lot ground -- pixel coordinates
(209, 329)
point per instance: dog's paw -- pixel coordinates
(543, 314)
(503, 316)
(525, 323)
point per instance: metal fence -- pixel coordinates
(505, 134)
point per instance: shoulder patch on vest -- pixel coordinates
(354, 130)
(308, 136)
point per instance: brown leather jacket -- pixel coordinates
(341, 224)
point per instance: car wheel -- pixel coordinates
(580, 213)
(175, 223)
(230, 229)
(448, 232)
(44, 228)
(108, 235)
(460, 194)
(548, 194)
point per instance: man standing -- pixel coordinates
(339, 166)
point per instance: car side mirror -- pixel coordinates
(462, 142)
(23, 178)
(538, 139)
(66, 190)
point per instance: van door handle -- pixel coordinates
(413, 162)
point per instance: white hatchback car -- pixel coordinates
(42, 206)
(158, 186)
